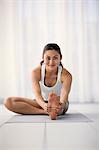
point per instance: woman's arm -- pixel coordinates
(66, 86)
(36, 75)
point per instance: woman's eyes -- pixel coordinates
(54, 58)
(48, 58)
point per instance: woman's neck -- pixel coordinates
(51, 72)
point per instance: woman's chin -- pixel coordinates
(52, 68)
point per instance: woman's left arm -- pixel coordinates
(66, 86)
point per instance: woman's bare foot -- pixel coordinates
(53, 104)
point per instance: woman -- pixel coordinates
(51, 86)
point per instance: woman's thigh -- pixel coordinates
(32, 102)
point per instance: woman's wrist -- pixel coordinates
(45, 106)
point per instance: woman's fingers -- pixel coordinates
(57, 109)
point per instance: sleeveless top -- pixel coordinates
(45, 90)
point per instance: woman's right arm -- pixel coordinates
(36, 75)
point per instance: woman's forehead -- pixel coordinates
(51, 53)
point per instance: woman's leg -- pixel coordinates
(23, 106)
(53, 106)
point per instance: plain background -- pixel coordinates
(26, 26)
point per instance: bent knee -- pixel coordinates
(8, 103)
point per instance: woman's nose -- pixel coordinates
(51, 61)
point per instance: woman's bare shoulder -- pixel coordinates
(38, 68)
(36, 72)
(66, 74)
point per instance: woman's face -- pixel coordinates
(52, 59)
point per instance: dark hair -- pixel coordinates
(52, 46)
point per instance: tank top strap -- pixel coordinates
(42, 72)
(59, 73)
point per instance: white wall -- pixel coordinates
(25, 28)
(7, 53)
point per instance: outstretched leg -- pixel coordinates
(53, 105)
(23, 106)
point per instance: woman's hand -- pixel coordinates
(53, 103)
(45, 107)
(59, 108)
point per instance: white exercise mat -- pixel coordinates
(69, 117)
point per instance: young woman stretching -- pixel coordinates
(51, 84)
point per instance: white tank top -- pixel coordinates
(45, 90)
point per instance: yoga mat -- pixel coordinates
(69, 117)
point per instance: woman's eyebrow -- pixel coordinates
(52, 56)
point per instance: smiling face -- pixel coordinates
(51, 59)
